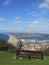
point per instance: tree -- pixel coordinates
(3, 45)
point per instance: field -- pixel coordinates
(7, 58)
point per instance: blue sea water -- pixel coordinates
(36, 38)
(4, 36)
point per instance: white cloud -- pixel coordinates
(45, 4)
(48, 20)
(32, 13)
(34, 22)
(47, 0)
(18, 18)
(1, 28)
(41, 20)
(32, 26)
(30, 29)
(6, 2)
(29, 19)
(2, 19)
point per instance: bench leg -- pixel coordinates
(29, 57)
(42, 56)
(17, 55)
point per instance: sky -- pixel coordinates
(24, 16)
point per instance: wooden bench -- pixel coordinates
(29, 54)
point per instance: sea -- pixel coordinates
(6, 37)
(35, 38)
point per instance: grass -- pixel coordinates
(7, 58)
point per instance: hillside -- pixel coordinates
(29, 34)
(7, 58)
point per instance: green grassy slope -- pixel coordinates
(7, 58)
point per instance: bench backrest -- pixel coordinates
(29, 52)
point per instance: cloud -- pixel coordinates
(30, 29)
(6, 2)
(32, 26)
(46, 1)
(41, 20)
(48, 20)
(2, 19)
(32, 13)
(34, 22)
(45, 4)
(1, 28)
(18, 18)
